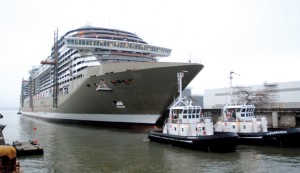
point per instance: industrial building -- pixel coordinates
(280, 102)
(267, 95)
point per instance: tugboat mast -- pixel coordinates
(230, 86)
(179, 78)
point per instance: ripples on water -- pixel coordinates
(77, 148)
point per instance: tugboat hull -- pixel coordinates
(287, 138)
(219, 142)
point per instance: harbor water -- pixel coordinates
(80, 148)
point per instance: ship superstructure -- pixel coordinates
(103, 75)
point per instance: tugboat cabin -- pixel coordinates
(185, 114)
(241, 112)
(240, 119)
(187, 120)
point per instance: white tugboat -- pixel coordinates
(187, 127)
(241, 120)
(253, 130)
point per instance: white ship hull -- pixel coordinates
(152, 89)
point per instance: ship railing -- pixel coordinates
(116, 45)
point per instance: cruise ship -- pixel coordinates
(105, 76)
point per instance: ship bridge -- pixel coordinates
(117, 45)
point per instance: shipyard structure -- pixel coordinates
(279, 102)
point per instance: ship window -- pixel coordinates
(197, 116)
(193, 116)
(198, 110)
(190, 111)
(203, 128)
(242, 115)
(184, 111)
(233, 126)
(190, 116)
(182, 129)
(175, 128)
(184, 116)
(244, 127)
(194, 111)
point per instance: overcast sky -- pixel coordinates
(258, 39)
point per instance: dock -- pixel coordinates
(28, 148)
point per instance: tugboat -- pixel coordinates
(253, 130)
(187, 127)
